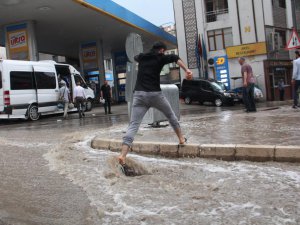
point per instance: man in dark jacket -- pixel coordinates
(147, 93)
(106, 94)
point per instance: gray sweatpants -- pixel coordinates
(142, 101)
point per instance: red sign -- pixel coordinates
(294, 41)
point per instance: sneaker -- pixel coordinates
(295, 107)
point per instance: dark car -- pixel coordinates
(206, 91)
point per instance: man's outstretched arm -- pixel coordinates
(188, 73)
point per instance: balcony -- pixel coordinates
(216, 15)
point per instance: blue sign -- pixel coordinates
(222, 70)
(120, 62)
(91, 73)
(109, 76)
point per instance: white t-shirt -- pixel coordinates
(296, 69)
(79, 92)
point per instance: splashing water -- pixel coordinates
(183, 191)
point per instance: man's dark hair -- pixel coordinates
(159, 45)
(297, 53)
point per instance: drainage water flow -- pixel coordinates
(183, 191)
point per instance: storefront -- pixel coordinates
(275, 70)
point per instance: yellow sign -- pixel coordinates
(17, 38)
(220, 61)
(246, 50)
(89, 56)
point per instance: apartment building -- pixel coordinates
(212, 34)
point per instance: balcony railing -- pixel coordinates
(212, 16)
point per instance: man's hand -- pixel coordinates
(293, 81)
(188, 74)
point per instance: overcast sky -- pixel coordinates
(157, 12)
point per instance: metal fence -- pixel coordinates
(212, 16)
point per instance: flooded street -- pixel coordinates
(51, 175)
(186, 191)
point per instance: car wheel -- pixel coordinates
(88, 105)
(33, 113)
(201, 103)
(218, 102)
(187, 100)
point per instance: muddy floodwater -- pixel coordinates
(184, 191)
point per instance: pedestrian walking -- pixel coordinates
(106, 94)
(248, 85)
(79, 98)
(281, 89)
(64, 96)
(147, 93)
(296, 78)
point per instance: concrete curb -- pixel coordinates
(227, 152)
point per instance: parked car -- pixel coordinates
(206, 91)
(258, 95)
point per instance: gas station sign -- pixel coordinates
(222, 70)
(89, 56)
(17, 42)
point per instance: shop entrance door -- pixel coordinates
(274, 72)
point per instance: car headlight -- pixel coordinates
(227, 94)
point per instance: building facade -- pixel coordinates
(170, 73)
(211, 32)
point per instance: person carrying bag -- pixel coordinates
(79, 98)
(64, 98)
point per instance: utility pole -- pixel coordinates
(294, 15)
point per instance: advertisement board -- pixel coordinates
(18, 44)
(222, 70)
(89, 56)
(246, 50)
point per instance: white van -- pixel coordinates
(29, 89)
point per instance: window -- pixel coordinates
(217, 87)
(280, 39)
(281, 4)
(297, 6)
(191, 85)
(79, 79)
(215, 8)
(21, 80)
(45, 80)
(0, 79)
(195, 84)
(206, 86)
(219, 39)
(216, 5)
(228, 39)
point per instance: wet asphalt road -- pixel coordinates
(32, 194)
(49, 175)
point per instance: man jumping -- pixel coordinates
(147, 94)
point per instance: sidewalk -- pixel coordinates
(273, 133)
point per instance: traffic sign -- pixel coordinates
(294, 41)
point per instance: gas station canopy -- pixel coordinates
(60, 26)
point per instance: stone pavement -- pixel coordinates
(272, 133)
